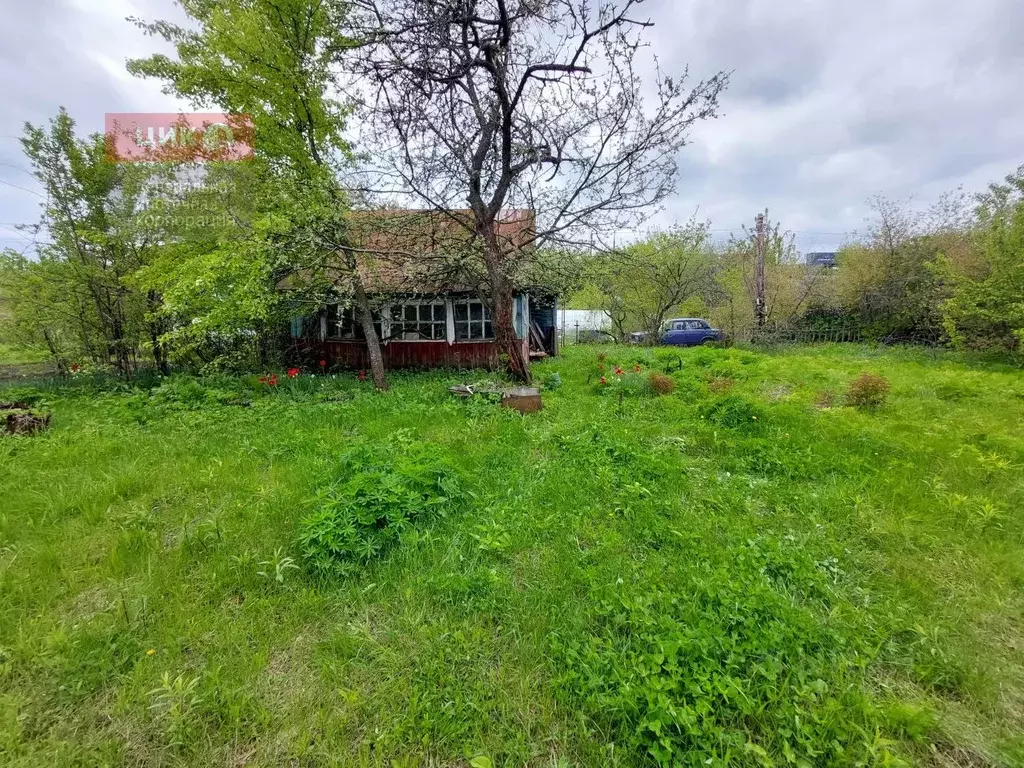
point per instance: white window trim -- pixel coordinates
(449, 309)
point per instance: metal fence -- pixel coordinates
(575, 333)
(769, 336)
(772, 335)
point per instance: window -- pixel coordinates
(472, 321)
(688, 325)
(343, 323)
(419, 321)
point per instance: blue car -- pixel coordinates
(683, 332)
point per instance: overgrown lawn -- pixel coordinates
(746, 571)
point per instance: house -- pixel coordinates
(821, 259)
(428, 301)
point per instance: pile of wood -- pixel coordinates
(21, 420)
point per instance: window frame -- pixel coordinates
(485, 322)
(396, 327)
(356, 332)
(334, 326)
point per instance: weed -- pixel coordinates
(377, 494)
(663, 581)
(173, 704)
(277, 566)
(719, 384)
(733, 411)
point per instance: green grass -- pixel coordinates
(731, 574)
(17, 356)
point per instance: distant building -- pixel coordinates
(821, 259)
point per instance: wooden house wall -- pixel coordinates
(407, 354)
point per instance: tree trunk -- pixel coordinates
(510, 348)
(62, 366)
(155, 328)
(362, 304)
(159, 353)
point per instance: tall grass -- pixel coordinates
(749, 574)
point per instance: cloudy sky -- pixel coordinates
(829, 103)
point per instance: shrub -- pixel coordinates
(869, 390)
(733, 411)
(623, 383)
(376, 494)
(661, 384)
(554, 381)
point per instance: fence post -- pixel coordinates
(577, 331)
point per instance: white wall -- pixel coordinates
(589, 320)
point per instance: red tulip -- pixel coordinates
(636, 368)
(618, 371)
(272, 381)
(323, 363)
(362, 375)
(293, 372)
(604, 380)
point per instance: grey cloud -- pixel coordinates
(57, 53)
(829, 104)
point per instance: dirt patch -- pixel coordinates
(14, 372)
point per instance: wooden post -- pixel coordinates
(759, 281)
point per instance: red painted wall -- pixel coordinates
(407, 354)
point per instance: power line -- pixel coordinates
(17, 168)
(23, 189)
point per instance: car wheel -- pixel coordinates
(708, 341)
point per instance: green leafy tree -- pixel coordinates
(789, 285)
(270, 60)
(76, 298)
(640, 285)
(986, 308)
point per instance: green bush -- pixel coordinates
(188, 393)
(375, 494)
(732, 411)
(869, 390)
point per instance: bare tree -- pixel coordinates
(485, 109)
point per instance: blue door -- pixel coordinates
(676, 334)
(694, 332)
